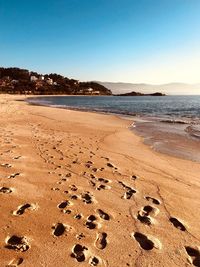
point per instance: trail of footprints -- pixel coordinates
(149, 242)
(14, 242)
(146, 215)
(79, 252)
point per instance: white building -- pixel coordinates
(33, 78)
(90, 90)
(49, 81)
(41, 78)
(96, 92)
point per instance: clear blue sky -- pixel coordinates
(153, 41)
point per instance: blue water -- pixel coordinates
(178, 106)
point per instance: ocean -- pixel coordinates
(169, 124)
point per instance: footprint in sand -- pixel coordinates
(144, 219)
(62, 180)
(101, 241)
(129, 191)
(134, 177)
(194, 256)
(18, 243)
(73, 188)
(55, 189)
(99, 183)
(68, 175)
(92, 176)
(17, 157)
(6, 165)
(145, 212)
(78, 252)
(15, 262)
(78, 216)
(110, 165)
(13, 175)
(103, 187)
(87, 198)
(76, 161)
(5, 190)
(145, 242)
(74, 197)
(80, 236)
(59, 229)
(103, 180)
(94, 261)
(23, 208)
(90, 222)
(96, 169)
(103, 215)
(93, 184)
(176, 223)
(153, 200)
(64, 204)
(105, 158)
(88, 164)
(67, 211)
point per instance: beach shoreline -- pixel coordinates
(88, 181)
(174, 136)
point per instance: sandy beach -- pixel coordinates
(81, 189)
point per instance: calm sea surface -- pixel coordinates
(180, 106)
(169, 124)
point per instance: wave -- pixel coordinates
(193, 130)
(175, 121)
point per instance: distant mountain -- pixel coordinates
(168, 89)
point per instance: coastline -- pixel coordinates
(44, 145)
(174, 136)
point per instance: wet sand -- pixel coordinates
(180, 139)
(81, 189)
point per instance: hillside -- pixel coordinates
(22, 81)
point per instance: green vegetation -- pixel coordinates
(22, 81)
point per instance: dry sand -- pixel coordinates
(80, 189)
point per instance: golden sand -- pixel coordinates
(80, 189)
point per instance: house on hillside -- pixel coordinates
(49, 81)
(89, 90)
(33, 78)
(96, 92)
(41, 78)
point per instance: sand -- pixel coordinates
(81, 189)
